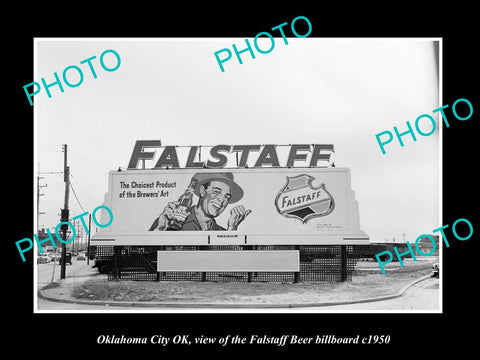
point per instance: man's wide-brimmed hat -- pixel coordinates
(227, 178)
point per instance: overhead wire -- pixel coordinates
(78, 201)
(76, 180)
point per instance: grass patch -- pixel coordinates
(364, 284)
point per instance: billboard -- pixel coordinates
(250, 206)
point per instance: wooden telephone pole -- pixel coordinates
(64, 212)
(38, 197)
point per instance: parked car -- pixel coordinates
(103, 263)
(43, 259)
(53, 256)
(436, 270)
(81, 257)
(91, 252)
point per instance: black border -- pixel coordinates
(426, 333)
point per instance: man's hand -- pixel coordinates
(171, 212)
(237, 215)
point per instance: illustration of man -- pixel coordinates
(215, 192)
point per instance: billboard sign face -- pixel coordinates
(239, 205)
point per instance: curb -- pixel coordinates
(44, 296)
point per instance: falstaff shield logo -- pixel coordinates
(300, 200)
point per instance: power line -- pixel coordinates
(49, 148)
(59, 147)
(81, 207)
(76, 180)
(87, 160)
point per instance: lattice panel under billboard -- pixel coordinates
(323, 263)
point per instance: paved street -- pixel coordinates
(78, 268)
(422, 296)
(58, 306)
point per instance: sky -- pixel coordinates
(311, 91)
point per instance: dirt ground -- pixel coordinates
(367, 281)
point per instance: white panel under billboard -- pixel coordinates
(236, 206)
(287, 260)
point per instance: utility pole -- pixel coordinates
(54, 261)
(88, 245)
(38, 197)
(65, 213)
(75, 241)
(403, 234)
(78, 239)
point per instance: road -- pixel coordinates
(77, 271)
(60, 307)
(423, 296)
(79, 268)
